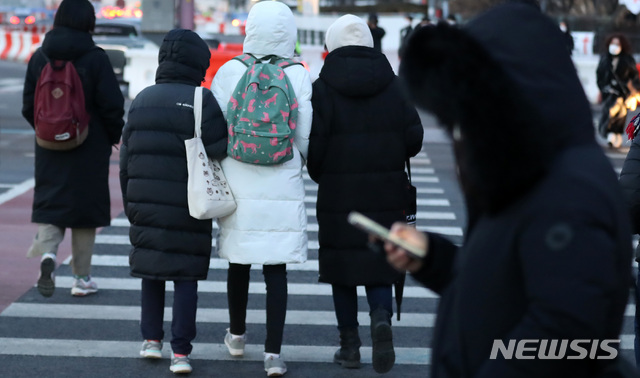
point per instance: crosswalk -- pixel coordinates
(109, 319)
(11, 85)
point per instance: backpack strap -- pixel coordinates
(250, 59)
(280, 61)
(284, 63)
(246, 59)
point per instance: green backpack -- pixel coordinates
(262, 112)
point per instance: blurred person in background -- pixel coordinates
(618, 81)
(564, 27)
(376, 31)
(405, 33)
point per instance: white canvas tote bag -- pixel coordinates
(208, 192)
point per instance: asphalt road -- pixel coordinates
(98, 336)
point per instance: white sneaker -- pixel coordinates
(151, 349)
(275, 366)
(82, 287)
(235, 344)
(47, 280)
(618, 142)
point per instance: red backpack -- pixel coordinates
(60, 118)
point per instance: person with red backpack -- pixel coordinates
(72, 99)
(266, 99)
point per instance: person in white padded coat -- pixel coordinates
(269, 226)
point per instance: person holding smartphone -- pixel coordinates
(547, 250)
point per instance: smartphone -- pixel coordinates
(372, 227)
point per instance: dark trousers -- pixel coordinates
(183, 325)
(345, 301)
(614, 125)
(275, 277)
(636, 345)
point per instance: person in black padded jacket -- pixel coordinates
(363, 131)
(630, 182)
(168, 244)
(547, 249)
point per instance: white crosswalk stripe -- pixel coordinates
(315, 289)
(11, 85)
(207, 315)
(201, 351)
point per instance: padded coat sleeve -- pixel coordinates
(414, 132)
(630, 183)
(108, 98)
(301, 82)
(437, 269)
(214, 127)
(319, 130)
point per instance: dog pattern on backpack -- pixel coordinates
(262, 112)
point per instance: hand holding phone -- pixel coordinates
(370, 226)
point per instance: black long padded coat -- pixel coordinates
(168, 244)
(363, 131)
(630, 183)
(72, 187)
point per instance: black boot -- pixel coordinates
(383, 356)
(349, 353)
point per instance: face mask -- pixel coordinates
(563, 28)
(614, 49)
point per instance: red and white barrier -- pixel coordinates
(18, 45)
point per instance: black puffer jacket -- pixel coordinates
(72, 187)
(168, 244)
(630, 182)
(625, 72)
(363, 131)
(547, 253)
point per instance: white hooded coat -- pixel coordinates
(269, 225)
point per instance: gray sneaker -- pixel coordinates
(47, 281)
(235, 345)
(83, 286)
(275, 367)
(180, 365)
(151, 349)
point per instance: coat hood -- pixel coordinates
(183, 58)
(348, 30)
(357, 71)
(66, 43)
(271, 29)
(506, 90)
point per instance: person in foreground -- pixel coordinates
(547, 252)
(169, 244)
